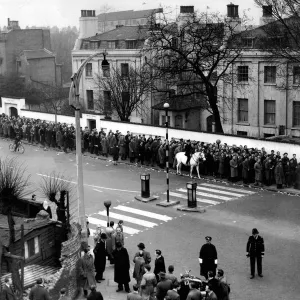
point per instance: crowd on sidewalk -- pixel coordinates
(159, 284)
(231, 162)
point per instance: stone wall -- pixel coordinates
(66, 276)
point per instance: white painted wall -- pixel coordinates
(11, 102)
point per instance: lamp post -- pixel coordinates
(166, 107)
(74, 102)
(107, 204)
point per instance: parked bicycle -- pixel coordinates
(19, 149)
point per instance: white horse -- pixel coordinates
(181, 158)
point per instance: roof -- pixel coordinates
(34, 54)
(29, 226)
(181, 103)
(121, 33)
(127, 14)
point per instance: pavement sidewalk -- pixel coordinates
(108, 287)
(272, 188)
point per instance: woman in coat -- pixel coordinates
(279, 175)
(122, 266)
(139, 268)
(148, 284)
(233, 169)
(258, 172)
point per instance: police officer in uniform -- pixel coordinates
(255, 250)
(208, 258)
(188, 151)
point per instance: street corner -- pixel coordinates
(146, 200)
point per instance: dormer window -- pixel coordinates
(131, 44)
(247, 42)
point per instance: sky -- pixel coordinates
(64, 13)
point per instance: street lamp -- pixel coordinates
(107, 204)
(166, 107)
(191, 193)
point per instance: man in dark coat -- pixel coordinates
(146, 254)
(38, 292)
(7, 292)
(122, 266)
(100, 257)
(208, 258)
(163, 286)
(255, 250)
(94, 295)
(194, 293)
(159, 264)
(188, 151)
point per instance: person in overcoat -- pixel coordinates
(159, 264)
(163, 286)
(122, 266)
(86, 271)
(255, 249)
(39, 291)
(118, 236)
(100, 257)
(208, 258)
(132, 153)
(110, 242)
(146, 254)
(258, 172)
(234, 169)
(104, 145)
(162, 154)
(245, 170)
(148, 284)
(279, 175)
(141, 152)
(122, 147)
(269, 171)
(139, 268)
(59, 138)
(221, 169)
(7, 291)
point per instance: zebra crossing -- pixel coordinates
(212, 194)
(135, 220)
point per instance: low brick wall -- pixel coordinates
(66, 276)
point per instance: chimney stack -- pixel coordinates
(186, 12)
(88, 24)
(267, 16)
(232, 10)
(233, 20)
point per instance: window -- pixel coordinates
(270, 74)
(90, 99)
(269, 106)
(247, 42)
(131, 44)
(19, 64)
(242, 110)
(242, 133)
(134, 22)
(32, 247)
(107, 102)
(125, 98)
(127, 22)
(111, 44)
(296, 75)
(124, 70)
(296, 113)
(267, 135)
(88, 70)
(242, 73)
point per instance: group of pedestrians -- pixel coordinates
(159, 284)
(234, 163)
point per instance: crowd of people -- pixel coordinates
(231, 162)
(159, 284)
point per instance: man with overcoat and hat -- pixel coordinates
(255, 250)
(208, 258)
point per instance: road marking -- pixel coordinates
(198, 200)
(128, 219)
(143, 213)
(227, 188)
(97, 190)
(89, 185)
(208, 195)
(103, 223)
(219, 192)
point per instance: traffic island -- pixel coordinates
(191, 209)
(168, 203)
(146, 199)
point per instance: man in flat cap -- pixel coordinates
(255, 250)
(208, 258)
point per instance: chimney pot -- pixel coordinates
(186, 9)
(267, 10)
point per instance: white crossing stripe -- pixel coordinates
(208, 195)
(219, 192)
(143, 213)
(198, 200)
(228, 188)
(103, 223)
(128, 219)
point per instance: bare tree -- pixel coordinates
(198, 52)
(123, 91)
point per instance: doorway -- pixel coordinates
(178, 121)
(209, 121)
(92, 124)
(13, 112)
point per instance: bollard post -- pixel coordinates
(145, 185)
(191, 194)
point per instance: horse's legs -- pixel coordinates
(197, 168)
(191, 170)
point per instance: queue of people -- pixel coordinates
(234, 163)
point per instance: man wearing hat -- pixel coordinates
(255, 250)
(146, 254)
(188, 151)
(208, 258)
(100, 257)
(163, 286)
